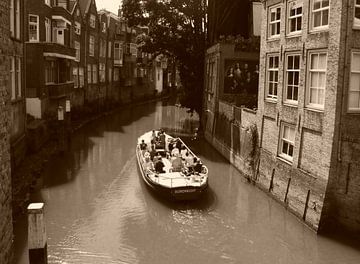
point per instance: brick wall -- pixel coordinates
(5, 180)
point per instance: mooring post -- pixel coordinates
(37, 234)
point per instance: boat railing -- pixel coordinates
(196, 180)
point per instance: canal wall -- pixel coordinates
(235, 133)
(6, 229)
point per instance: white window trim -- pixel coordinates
(285, 99)
(38, 29)
(269, 23)
(18, 19)
(47, 2)
(12, 18)
(352, 110)
(319, 28)
(91, 50)
(309, 105)
(89, 70)
(13, 78)
(267, 97)
(18, 76)
(94, 73)
(285, 156)
(48, 30)
(92, 21)
(354, 25)
(297, 32)
(77, 50)
(77, 28)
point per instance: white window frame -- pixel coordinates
(103, 28)
(75, 74)
(91, 45)
(118, 60)
(18, 73)
(77, 28)
(47, 29)
(17, 19)
(77, 49)
(294, 4)
(313, 12)
(13, 77)
(89, 73)
(102, 75)
(271, 96)
(48, 2)
(12, 18)
(310, 73)
(81, 77)
(293, 85)
(92, 21)
(34, 24)
(351, 90)
(109, 49)
(290, 147)
(94, 73)
(356, 22)
(274, 22)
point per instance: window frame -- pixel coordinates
(310, 105)
(81, 77)
(47, 2)
(270, 23)
(271, 98)
(18, 76)
(289, 17)
(94, 73)
(312, 13)
(13, 77)
(91, 45)
(354, 18)
(76, 76)
(37, 26)
(283, 140)
(48, 31)
(77, 50)
(77, 28)
(286, 79)
(92, 21)
(351, 72)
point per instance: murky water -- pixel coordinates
(98, 210)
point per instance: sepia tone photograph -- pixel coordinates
(179, 131)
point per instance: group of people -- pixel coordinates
(180, 158)
(241, 79)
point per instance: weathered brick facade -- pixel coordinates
(6, 229)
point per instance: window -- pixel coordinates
(13, 79)
(17, 19)
(89, 71)
(292, 78)
(287, 142)
(48, 2)
(47, 29)
(319, 13)
(92, 21)
(103, 28)
(272, 76)
(133, 49)
(109, 50)
(50, 71)
(102, 48)
(76, 77)
(77, 28)
(81, 76)
(295, 17)
(33, 28)
(18, 73)
(357, 14)
(62, 3)
(77, 48)
(317, 80)
(116, 74)
(354, 87)
(274, 21)
(118, 53)
(12, 18)
(91, 45)
(110, 74)
(94, 73)
(102, 72)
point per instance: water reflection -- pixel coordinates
(99, 211)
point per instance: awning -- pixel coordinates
(57, 55)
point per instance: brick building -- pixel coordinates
(6, 88)
(18, 110)
(308, 116)
(48, 46)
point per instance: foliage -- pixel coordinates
(251, 44)
(177, 30)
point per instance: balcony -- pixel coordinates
(51, 49)
(58, 90)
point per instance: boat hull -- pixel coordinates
(184, 193)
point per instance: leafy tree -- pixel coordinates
(177, 30)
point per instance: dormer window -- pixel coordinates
(92, 21)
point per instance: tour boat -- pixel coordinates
(174, 185)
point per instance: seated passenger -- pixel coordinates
(183, 152)
(197, 166)
(153, 152)
(175, 151)
(148, 165)
(159, 165)
(143, 145)
(162, 140)
(153, 135)
(177, 164)
(189, 161)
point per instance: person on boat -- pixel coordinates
(175, 151)
(148, 164)
(177, 164)
(159, 165)
(197, 165)
(183, 151)
(153, 135)
(162, 140)
(189, 160)
(153, 152)
(143, 145)
(170, 145)
(178, 144)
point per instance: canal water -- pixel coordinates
(99, 211)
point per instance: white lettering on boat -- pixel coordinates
(185, 191)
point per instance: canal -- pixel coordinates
(98, 210)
